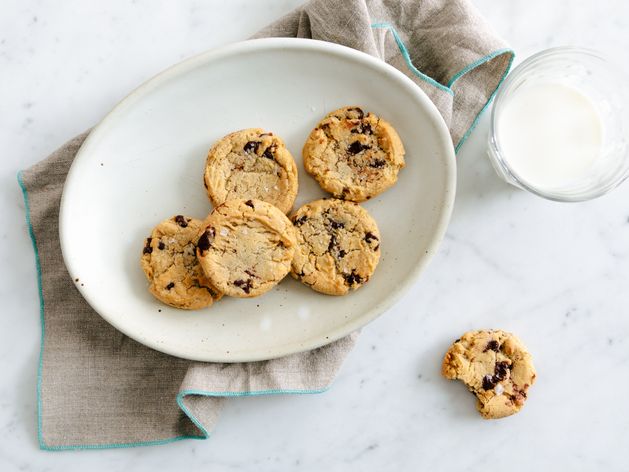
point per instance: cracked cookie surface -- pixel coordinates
(353, 154)
(338, 246)
(246, 247)
(251, 164)
(170, 264)
(495, 366)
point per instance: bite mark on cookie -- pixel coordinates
(495, 366)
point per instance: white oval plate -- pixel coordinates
(144, 162)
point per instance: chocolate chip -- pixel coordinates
(161, 246)
(170, 285)
(492, 345)
(251, 146)
(342, 253)
(360, 112)
(501, 370)
(369, 236)
(378, 164)
(268, 153)
(336, 224)
(333, 243)
(204, 183)
(352, 279)
(147, 246)
(357, 147)
(205, 240)
(488, 382)
(377, 247)
(181, 221)
(249, 203)
(300, 221)
(244, 285)
(362, 129)
(251, 273)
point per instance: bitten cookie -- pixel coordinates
(246, 247)
(171, 267)
(495, 366)
(354, 155)
(251, 164)
(338, 246)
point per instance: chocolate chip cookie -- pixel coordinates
(246, 247)
(338, 246)
(495, 366)
(171, 267)
(251, 164)
(354, 154)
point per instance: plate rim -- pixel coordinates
(316, 341)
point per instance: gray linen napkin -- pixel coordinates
(97, 388)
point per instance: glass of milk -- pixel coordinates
(560, 127)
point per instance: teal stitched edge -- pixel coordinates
(80, 447)
(472, 66)
(480, 62)
(455, 77)
(40, 438)
(184, 393)
(407, 58)
(180, 396)
(31, 233)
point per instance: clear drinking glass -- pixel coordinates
(605, 86)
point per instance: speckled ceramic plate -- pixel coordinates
(144, 162)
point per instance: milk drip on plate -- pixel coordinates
(551, 135)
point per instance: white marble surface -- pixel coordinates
(556, 274)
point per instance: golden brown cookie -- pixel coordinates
(353, 154)
(495, 366)
(171, 267)
(338, 246)
(251, 164)
(246, 247)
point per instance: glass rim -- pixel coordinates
(494, 144)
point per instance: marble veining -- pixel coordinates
(556, 274)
